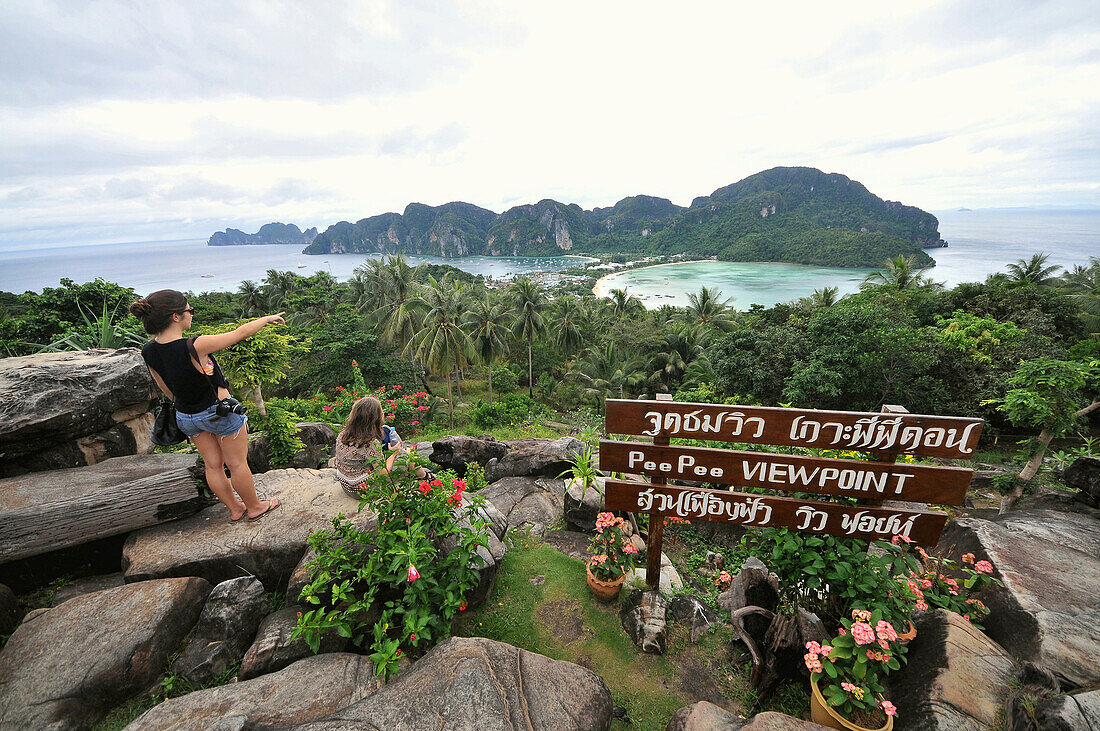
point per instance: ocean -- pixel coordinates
(981, 242)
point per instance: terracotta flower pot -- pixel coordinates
(908, 635)
(605, 591)
(824, 714)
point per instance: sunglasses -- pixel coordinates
(188, 309)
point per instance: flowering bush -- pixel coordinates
(850, 669)
(395, 589)
(612, 552)
(933, 581)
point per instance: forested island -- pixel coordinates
(798, 215)
(269, 233)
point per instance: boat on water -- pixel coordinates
(208, 275)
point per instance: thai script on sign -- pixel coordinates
(700, 504)
(881, 432)
(693, 423)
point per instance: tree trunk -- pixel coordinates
(258, 397)
(450, 402)
(490, 384)
(530, 373)
(1035, 462)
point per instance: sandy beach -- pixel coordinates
(603, 287)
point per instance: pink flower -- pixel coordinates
(889, 708)
(813, 664)
(629, 548)
(415, 423)
(842, 632)
(813, 647)
(389, 417)
(966, 617)
(421, 408)
(886, 630)
(413, 573)
(983, 567)
(825, 650)
(327, 408)
(862, 633)
(883, 643)
(968, 558)
(900, 539)
(922, 605)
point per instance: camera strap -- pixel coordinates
(195, 354)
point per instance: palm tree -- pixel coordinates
(394, 284)
(441, 344)
(1032, 271)
(605, 371)
(678, 350)
(900, 273)
(251, 297)
(567, 316)
(1083, 285)
(625, 305)
(278, 286)
(486, 322)
(708, 308)
(528, 301)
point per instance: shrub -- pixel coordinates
(281, 433)
(504, 379)
(516, 409)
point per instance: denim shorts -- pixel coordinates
(209, 421)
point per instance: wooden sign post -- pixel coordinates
(871, 484)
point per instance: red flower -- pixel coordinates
(413, 573)
(389, 417)
(437, 483)
(424, 487)
(462, 607)
(456, 498)
(398, 387)
(412, 637)
(398, 654)
(354, 363)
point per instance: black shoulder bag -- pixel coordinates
(166, 431)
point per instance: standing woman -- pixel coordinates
(188, 375)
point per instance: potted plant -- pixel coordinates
(846, 674)
(611, 557)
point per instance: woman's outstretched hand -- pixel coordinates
(276, 319)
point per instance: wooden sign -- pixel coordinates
(849, 478)
(762, 511)
(935, 436)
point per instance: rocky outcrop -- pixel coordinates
(274, 650)
(269, 233)
(209, 545)
(45, 511)
(583, 503)
(224, 631)
(690, 610)
(75, 408)
(954, 678)
(1084, 476)
(475, 684)
(534, 457)
(319, 440)
(1078, 712)
(65, 667)
(527, 503)
(455, 452)
(1047, 611)
(705, 716)
(308, 689)
(86, 585)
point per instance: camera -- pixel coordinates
(229, 405)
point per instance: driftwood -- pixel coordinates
(45, 511)
(781, 650)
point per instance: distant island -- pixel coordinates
(799, 215)
(269, 233)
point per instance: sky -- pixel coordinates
(134, 121)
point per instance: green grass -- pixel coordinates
(558, 618)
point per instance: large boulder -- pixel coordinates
(224, 631)
(476, 684)
(533, 503)
(705, 716)
(319, 440)
(9, 609)
(86, 585)
(534, 457)
(455, 452)
(1084, 476)
(1070, 712)
(581, 504)
(1047, 611)
(74, 408)
(308, 689)
(66, 667)
(45, 511)
(209, 545)
(274, 650)
(689, 609)
(954, 678)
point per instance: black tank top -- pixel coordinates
(173, 364)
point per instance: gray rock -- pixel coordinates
(1084, 476)
(490, 557)
(581, 505)
(527, 502)
(454, 452)
(643, 618)
(569, 542)
(668, 580)
(87, 585)
(955, 677)
(209, 545)
(42, 512)
(319, 440)
(303, 691)
(73, 409)
(1047, 611)
(689, 609)
(224, 631)
(534, 457)
(9, 609)
(771, 721)
(273, 649)
(1070, 712)
(705, 716)
(67, 666)
(474, 684)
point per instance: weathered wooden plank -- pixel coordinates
(760, 511)
(45, 511)
(916, 434)
(792, 473)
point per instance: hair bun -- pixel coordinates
(141, 308)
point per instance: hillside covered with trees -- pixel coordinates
(788, 214)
